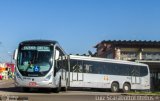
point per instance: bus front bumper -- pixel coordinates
(35, 84)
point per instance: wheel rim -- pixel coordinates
(115, 88)
(126, 88)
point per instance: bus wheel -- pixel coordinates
(58, 89)
(65, 88)
(126, 87)
(115, 87)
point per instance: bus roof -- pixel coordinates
(42, 42)
(104, 60)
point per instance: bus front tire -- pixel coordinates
(64, 88)
(58, 89)
(126, 87)
(115, 87)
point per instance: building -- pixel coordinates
(147, 52)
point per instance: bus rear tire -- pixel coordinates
(126, 87)
(115, 87)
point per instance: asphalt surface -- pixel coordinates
(8, 92)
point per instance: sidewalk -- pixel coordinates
(6, 81)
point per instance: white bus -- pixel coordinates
(41, 64)
(44, 64)
(111, 74)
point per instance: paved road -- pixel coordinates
(7, 89)
(9, 93)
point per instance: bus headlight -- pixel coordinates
(48, 77)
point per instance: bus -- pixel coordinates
(44, 64)
(41, 64)
(116, 75)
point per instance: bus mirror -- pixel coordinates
(57, 55)
(15, 54)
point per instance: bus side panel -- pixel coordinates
(99, 81)
(143, 85)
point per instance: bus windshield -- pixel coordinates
(34, 60)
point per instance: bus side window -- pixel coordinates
(143, 71)
(76, 66)
(137, 71)
(87, 68)
(58, 60)
(80, 66)
(72, 64)
(65, 63)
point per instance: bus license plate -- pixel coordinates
(32, 83)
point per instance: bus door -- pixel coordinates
(135, 75)
(77, 72)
